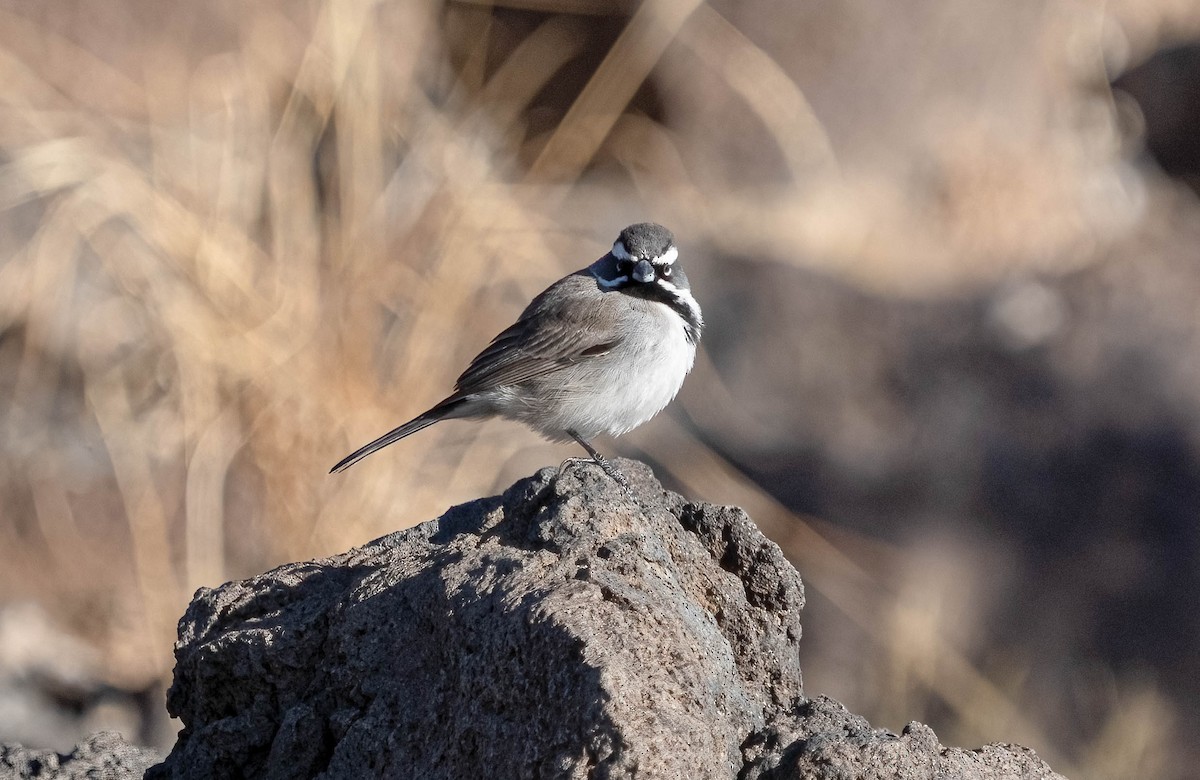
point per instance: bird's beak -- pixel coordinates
(643, 272)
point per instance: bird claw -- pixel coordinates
(601, 461)
(608, 468)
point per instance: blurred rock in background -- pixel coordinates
(1166, 91)
(53, 687)
(952, 358)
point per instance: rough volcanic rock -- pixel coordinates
(564, 629)
(822, 740)
(102, 756)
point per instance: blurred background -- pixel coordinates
(948, 251)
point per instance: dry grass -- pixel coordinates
(239, 240)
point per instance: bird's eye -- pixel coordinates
(666, 271)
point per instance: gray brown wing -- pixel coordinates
(549, 336)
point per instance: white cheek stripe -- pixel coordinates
(683, 295)
(610, 282)
(620, 252)
(678, 292)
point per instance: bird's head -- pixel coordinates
(644, 263)
(643, 254)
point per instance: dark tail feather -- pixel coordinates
(439, 412)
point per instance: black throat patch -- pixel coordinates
(654, 292)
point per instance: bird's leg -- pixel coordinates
(601, 461)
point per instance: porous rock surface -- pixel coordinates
(102, 756)
(564, 629)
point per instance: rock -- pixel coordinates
(826, 741)
(564, 629)
(102, 756)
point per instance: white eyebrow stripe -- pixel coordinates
(620, 252)
(668, 257)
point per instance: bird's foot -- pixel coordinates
(601, 461)
(608, 468)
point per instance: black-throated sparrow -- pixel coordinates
(600, 351)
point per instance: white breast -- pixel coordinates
(619, 391)
(656, 369)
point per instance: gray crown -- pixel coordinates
(646, 240)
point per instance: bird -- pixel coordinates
(600, 351)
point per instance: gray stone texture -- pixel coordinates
(102, 756)
(563, 629)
